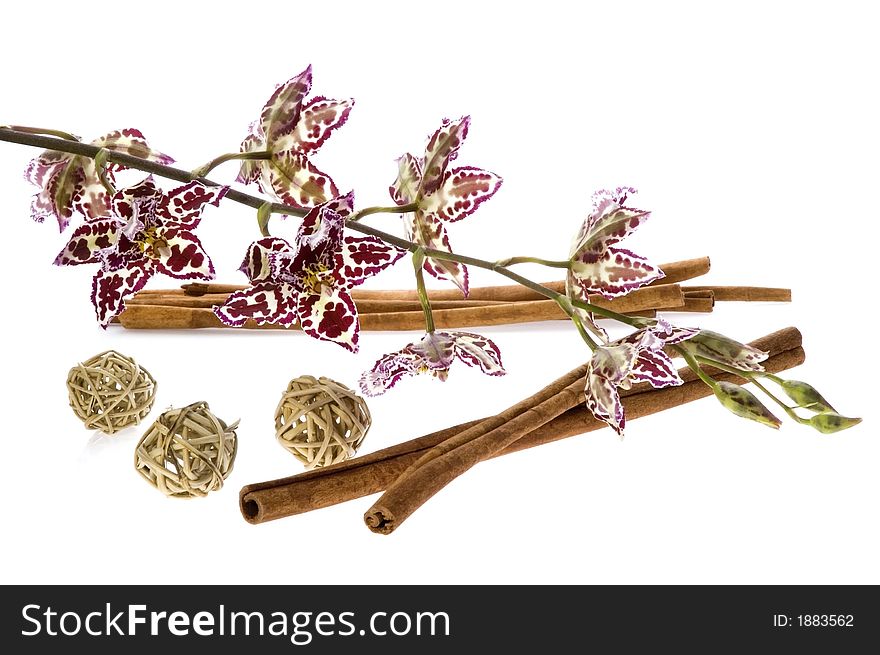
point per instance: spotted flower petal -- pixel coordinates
(442, 148)
(131, 141)
(363, 257)
(319, 117)
(613, 272)
(656, 368)
(281, 112)
(264, 302)
(609, 222)
(258, 261)
(87, 241)
(478, 351)
(604, 402)
(387, 372)
(431, 233)
(184, 205)
(405, 188)
(294, 180)
(330, 316)
(111, 288)
(250, 169)
(123, 203)
(460, 193)
(717, 347)
(182, 256)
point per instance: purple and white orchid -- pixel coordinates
(147, 232)
(71, 183)
(309, 282)
(597, 265)
(433, 354)
(291, 130)
(638, 357)
(442, 195)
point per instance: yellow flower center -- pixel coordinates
(317, 277)
(151, 243)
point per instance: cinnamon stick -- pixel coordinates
(675, 272)
(443, 463)
(149, 316)
(745, 294)
(374, 472)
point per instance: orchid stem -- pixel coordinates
(694, 365)
(203, 170)
(41, 130)
(510, 261)
(31, 137)
(366, 211)
(418, 260)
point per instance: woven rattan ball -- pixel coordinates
(110, 391)
(321, 421)
(187, 452)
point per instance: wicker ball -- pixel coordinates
(321, 421)
(110, 391)
(187, 452)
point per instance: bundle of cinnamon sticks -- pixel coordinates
(412, 472)
(190, 306)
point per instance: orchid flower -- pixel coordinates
(291, 130)
(597, 265)
(310, 281)
(147, 232)
(638, 357)
(71, 183)
(442, 195)
(433, 354)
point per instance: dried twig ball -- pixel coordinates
(187, 452)
(321, 421)
(110, 391)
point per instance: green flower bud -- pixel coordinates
(830, 422)
(716, 347)
(806, 396)
(743, 402)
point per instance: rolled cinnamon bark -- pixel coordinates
(443, 463)
(374, 472)
(151, 316)
(744, 294)
(675, 272)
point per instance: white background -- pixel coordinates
(752, 135)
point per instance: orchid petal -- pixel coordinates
(656, 368)
(387, 371)
(131, 141)
(409, 176)
(281, 112)
(604, 402)
(265, 302)
(478, 351)
(90, 197)
(613, 272)
(609, 221)
(363, 257)
(294, 180)
(111, 288)
(87, 241)
(257, 264)
(431, 233)
(330, 316)
(123, 202)
(184, 205)
(40, 167)
(614, 362)
(720, 348)
(319, 117)
(250, 169)
(461, 192)
(442, 148)
(435, 352)
(318, 241)
(183, 257)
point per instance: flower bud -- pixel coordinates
(744, 403)
(719, 348)
(831, 422)
(806, 396)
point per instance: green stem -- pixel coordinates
(101, 167)
(510, 261)
(565, 303)
(695, 367)
(366, 211)
(203, 170)
(179, 175)
(788, 410)
(418, 260)
(41, 130)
